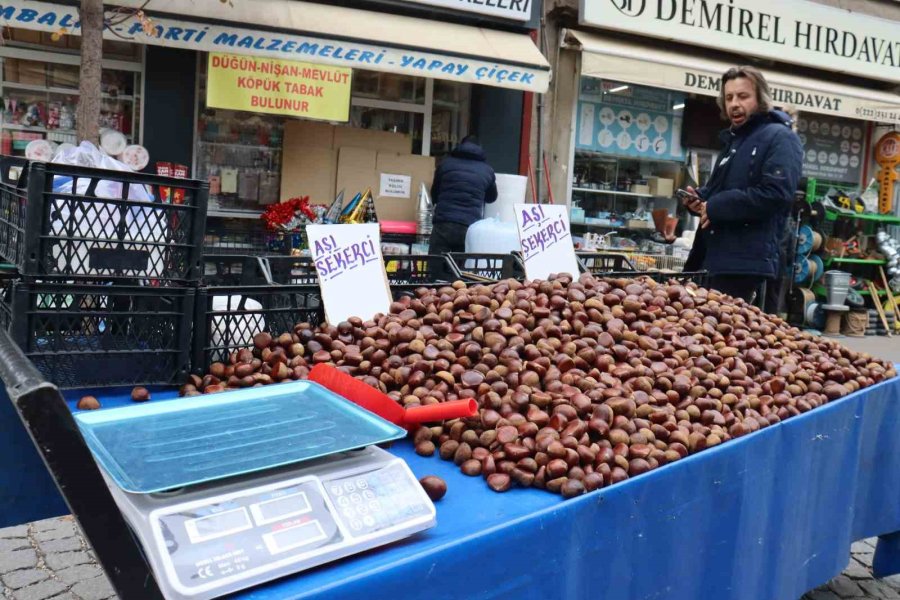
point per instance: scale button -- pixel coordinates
(374, 505)
(336, 490)
(349, 512)
(369, 521)
(363, 509)
(349, 487)
(344, 501)
(368, 494)
(362, 484)
(356, 498)
(356, 524)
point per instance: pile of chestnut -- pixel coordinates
(581, 383)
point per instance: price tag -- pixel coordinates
(351, 270)
(546, 240)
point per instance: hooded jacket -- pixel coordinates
(749, 197)
(463, 183)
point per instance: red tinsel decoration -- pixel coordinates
(276, 216)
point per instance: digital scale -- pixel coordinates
(231, 490)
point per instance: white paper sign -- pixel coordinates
(546, 240)
(351, 270)
(395, 186)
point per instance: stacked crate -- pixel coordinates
(103, 268)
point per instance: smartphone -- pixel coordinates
(686, 195)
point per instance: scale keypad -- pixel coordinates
(372, 501)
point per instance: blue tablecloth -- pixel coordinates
(766, 517)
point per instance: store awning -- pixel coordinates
(317, 33)
(654, 66)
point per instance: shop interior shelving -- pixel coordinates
(40, 93)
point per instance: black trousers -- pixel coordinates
(447, 237)
(739, 286)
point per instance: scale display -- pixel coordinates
(215, 539)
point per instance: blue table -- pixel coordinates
(768, 516)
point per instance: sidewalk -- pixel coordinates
(50, 560)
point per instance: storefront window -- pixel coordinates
(450, 116)
(39, 86)
(388, 87)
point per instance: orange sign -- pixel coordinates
(887, 155)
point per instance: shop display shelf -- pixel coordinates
(854, 261)
(224, 213)
(36, 129)
(833, 214)
(612, 192)
(99, 333)
(62, 220)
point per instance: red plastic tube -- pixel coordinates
(443, 411)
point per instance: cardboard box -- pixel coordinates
(660, 186)
(370, 139)
(355, 171)
(300, 134)
(310, 173)
(400, 176)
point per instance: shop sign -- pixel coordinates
(786, 92)
(800, 32)
(629, 120)
(887, 155)
(218, 37)
(833, 148)
(279, 87)
(546, 240)
(518, 10)
(351, 270)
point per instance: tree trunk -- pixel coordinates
(87, 115)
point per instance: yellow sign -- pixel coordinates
(887, 155)
(281, 87)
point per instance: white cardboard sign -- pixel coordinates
(546, 240)
(351, 270)
(395, 186)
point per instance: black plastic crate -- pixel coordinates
(234, 269)
(701, 278)
(487, 267)
(407, 270)
(600, 263)
(87, 334)
(227, 317)
(57, 220)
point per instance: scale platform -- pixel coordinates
(231, 490)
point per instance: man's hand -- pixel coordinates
(704, 219)
(693, 202)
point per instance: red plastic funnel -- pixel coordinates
(443, 411)
(357, 392)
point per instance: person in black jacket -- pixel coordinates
(463, 184)
(744, 205)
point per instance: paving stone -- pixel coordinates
(98, 588)
(10, 544)
(66, 596)
(68, 544)
(864, 559)
(856, 570)
(18, 559)
(878, 589)
(73, 575)
(822, 595)
(893, 581)
(19, 531)
(40, 591)
(844, 587)
(861, 547)
(63, 560)
(23, 577)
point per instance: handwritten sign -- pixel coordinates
(351, 270)
(280, 87)
(395, 186)
(546, 240)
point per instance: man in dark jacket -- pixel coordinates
(463, 183)
(744, 205)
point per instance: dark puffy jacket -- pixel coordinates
(463, 183)
(749, 197)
